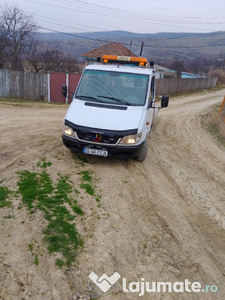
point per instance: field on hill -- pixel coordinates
(161, 46)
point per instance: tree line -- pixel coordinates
(20, 48)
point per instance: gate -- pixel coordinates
(56, 82)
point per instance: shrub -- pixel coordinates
(218, 73)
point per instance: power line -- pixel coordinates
(46, 19)
(136, 13)
(75, 35)
(81, 6)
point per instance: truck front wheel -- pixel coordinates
(142, 155)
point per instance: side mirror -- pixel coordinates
(64, 90)
(165, 101)
(150, 104)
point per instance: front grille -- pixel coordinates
(91, 137)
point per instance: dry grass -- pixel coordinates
(215, 125)
(220, 74)
(220, 125)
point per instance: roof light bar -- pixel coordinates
(140, 61)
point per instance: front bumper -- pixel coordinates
(77, 146)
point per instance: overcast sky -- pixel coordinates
(141, 16)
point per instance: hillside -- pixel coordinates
(160, 46)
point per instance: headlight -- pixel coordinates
(131, 139)
(69, 131)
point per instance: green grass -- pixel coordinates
(81, 158)
(77, 210)
(87, 182)
(9, 216)
(212, 128)
(39, 193)
(36, 260)
(59, 262)
(86, 176)
(56, 201)
(43, 163)
(31, 248)
(4, 194)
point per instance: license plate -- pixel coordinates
(95, 152)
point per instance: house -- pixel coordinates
(109, 49)
(115, 49)
(188, 75)
(160, 71)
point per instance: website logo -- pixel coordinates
(142, 287)
(104, 282)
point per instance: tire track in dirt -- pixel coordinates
(177, 192)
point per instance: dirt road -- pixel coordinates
(162, 220)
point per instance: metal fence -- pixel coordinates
(173, 86)
(24, 85)
(47, 87)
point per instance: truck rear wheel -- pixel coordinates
(142, 155)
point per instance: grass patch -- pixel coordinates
(31, 248)
(98, 198)
(59, 262)
(4, 195)
(88, 188)
(39, 193)
(214, 125)
(87, 182)
(86, 176)
(43, 163)
(77, 210)
(82, 159)
(8, 217)
(36, 260)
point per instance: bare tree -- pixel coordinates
(178, 65)
(33, 56)
(52, 57)
(45, 57)
(17, 33)
(70, 64)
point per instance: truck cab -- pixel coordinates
(113, 109)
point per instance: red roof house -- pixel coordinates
(108, 49)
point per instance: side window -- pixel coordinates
(152, 90)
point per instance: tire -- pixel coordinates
(143, 154)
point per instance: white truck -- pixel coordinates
(113, 108)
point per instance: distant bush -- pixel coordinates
(218, 73)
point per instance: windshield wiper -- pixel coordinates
(115, 99)
(89, 97)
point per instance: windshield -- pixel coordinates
(113, 87)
